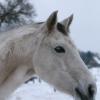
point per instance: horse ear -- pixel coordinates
(67, 22)
(52, 21)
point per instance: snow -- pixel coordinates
(38, 91)
(43, 91)
(97, 60)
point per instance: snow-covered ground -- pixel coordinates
(42, 91)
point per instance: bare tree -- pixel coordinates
(13, 12)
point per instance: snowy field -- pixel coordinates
(42, 91)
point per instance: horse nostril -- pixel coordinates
(83, 95)
(80, 94)
(91, 90)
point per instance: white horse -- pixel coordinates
(48, 51)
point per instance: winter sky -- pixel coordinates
(85, 29)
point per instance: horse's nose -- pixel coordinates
(89, 94)
(91, 90)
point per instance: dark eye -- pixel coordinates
(60, 49)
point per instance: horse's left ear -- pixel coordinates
(52, 21)
(67, 22)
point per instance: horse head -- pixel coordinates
(57, 60)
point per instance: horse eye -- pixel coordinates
(60, 49)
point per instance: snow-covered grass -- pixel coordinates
(42, 91)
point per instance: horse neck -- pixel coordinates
(19, 73)
(17, 42)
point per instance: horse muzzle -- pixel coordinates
(88, 95)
